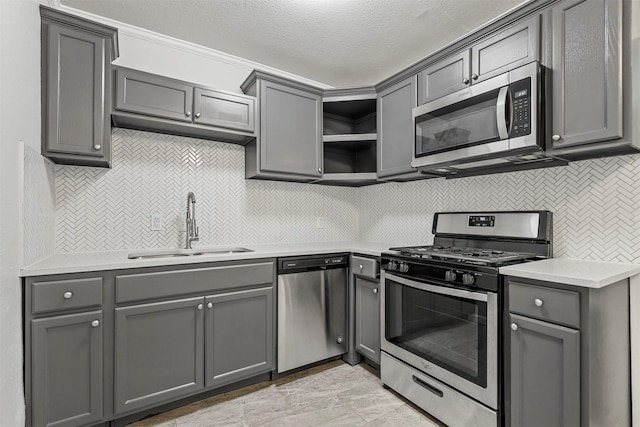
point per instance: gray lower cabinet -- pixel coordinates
(396, 130)
(545, 374)
(367, 315)
(161, 104)
(567, 355)
(76, 87)
(239, 335)
(289, 142)
(159, 352)
(67, 370)
(586, 76)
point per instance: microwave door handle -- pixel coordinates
(501, 118)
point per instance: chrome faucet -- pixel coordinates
(192, 228)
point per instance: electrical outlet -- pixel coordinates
(156, 222)
(182, 222)
(320, 222)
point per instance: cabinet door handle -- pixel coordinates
(465, 81)
(319, 170)
(67, 295)
(538, 302)
(95, 323)
(200, 306)
(210, 305)
(375, 290)
(97, 146)
(514, 326)
(197, 115)
(188, 114)
(556, 137)
(474, 76)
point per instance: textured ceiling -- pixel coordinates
(342, 43)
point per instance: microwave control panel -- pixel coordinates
(521, 104)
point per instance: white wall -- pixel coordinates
(19, 121)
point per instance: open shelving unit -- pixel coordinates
(350, 137)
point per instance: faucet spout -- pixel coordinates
(192, 228)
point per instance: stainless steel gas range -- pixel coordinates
(441, 311)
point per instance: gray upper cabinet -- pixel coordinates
(239, 335)
(159, 353)
(289, 142)
(160, 104)
(586, 75)
(67, 370)
(396, 130)
(444, 77)
(76, 87)
(500, 52)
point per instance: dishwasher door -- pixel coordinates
(312, 317)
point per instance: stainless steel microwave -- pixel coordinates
(498, 118)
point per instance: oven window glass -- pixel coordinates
(467, 123)
(448, 331)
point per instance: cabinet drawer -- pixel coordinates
(66, 294)
(554, 305)
(364, 266)
(136, 287)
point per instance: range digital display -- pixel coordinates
(482, 220)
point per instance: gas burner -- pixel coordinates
(476, 256)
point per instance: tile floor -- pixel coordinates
(334, 394)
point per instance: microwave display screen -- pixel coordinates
(520, 94)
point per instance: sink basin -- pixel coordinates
(172, 253)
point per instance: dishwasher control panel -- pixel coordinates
(316, 262)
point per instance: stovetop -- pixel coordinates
(464, 255)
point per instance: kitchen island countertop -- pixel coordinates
(577, 272)
(78, 262)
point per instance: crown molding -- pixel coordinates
(185, 46)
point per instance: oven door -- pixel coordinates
(448, 333)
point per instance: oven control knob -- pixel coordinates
(468, 279)
(393, 265)
(450, 276)
(403, 267)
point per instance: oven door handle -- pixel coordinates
(427, 386)
(443, 290)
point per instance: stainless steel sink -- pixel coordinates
(172, 253)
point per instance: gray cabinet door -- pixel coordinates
(67, 376)
(76, 120)
(586, 72)
(444, 77)
(239, 335)
(222, 109)
(368, 318)
(545, 374)
(510, 48)
(290, 140)
(159, 350)
(152, 95)
(396, 128)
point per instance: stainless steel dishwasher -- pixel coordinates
(312, 309)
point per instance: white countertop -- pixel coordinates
(590, 274)
(77, 262)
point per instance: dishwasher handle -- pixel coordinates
(300, 264)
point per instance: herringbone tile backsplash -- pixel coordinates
(110, 209)
(595, 203)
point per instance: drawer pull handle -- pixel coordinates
(361, 267)
(95, 323)
(514, 326)
(538, 302)
(429, 387)
(67, 295)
